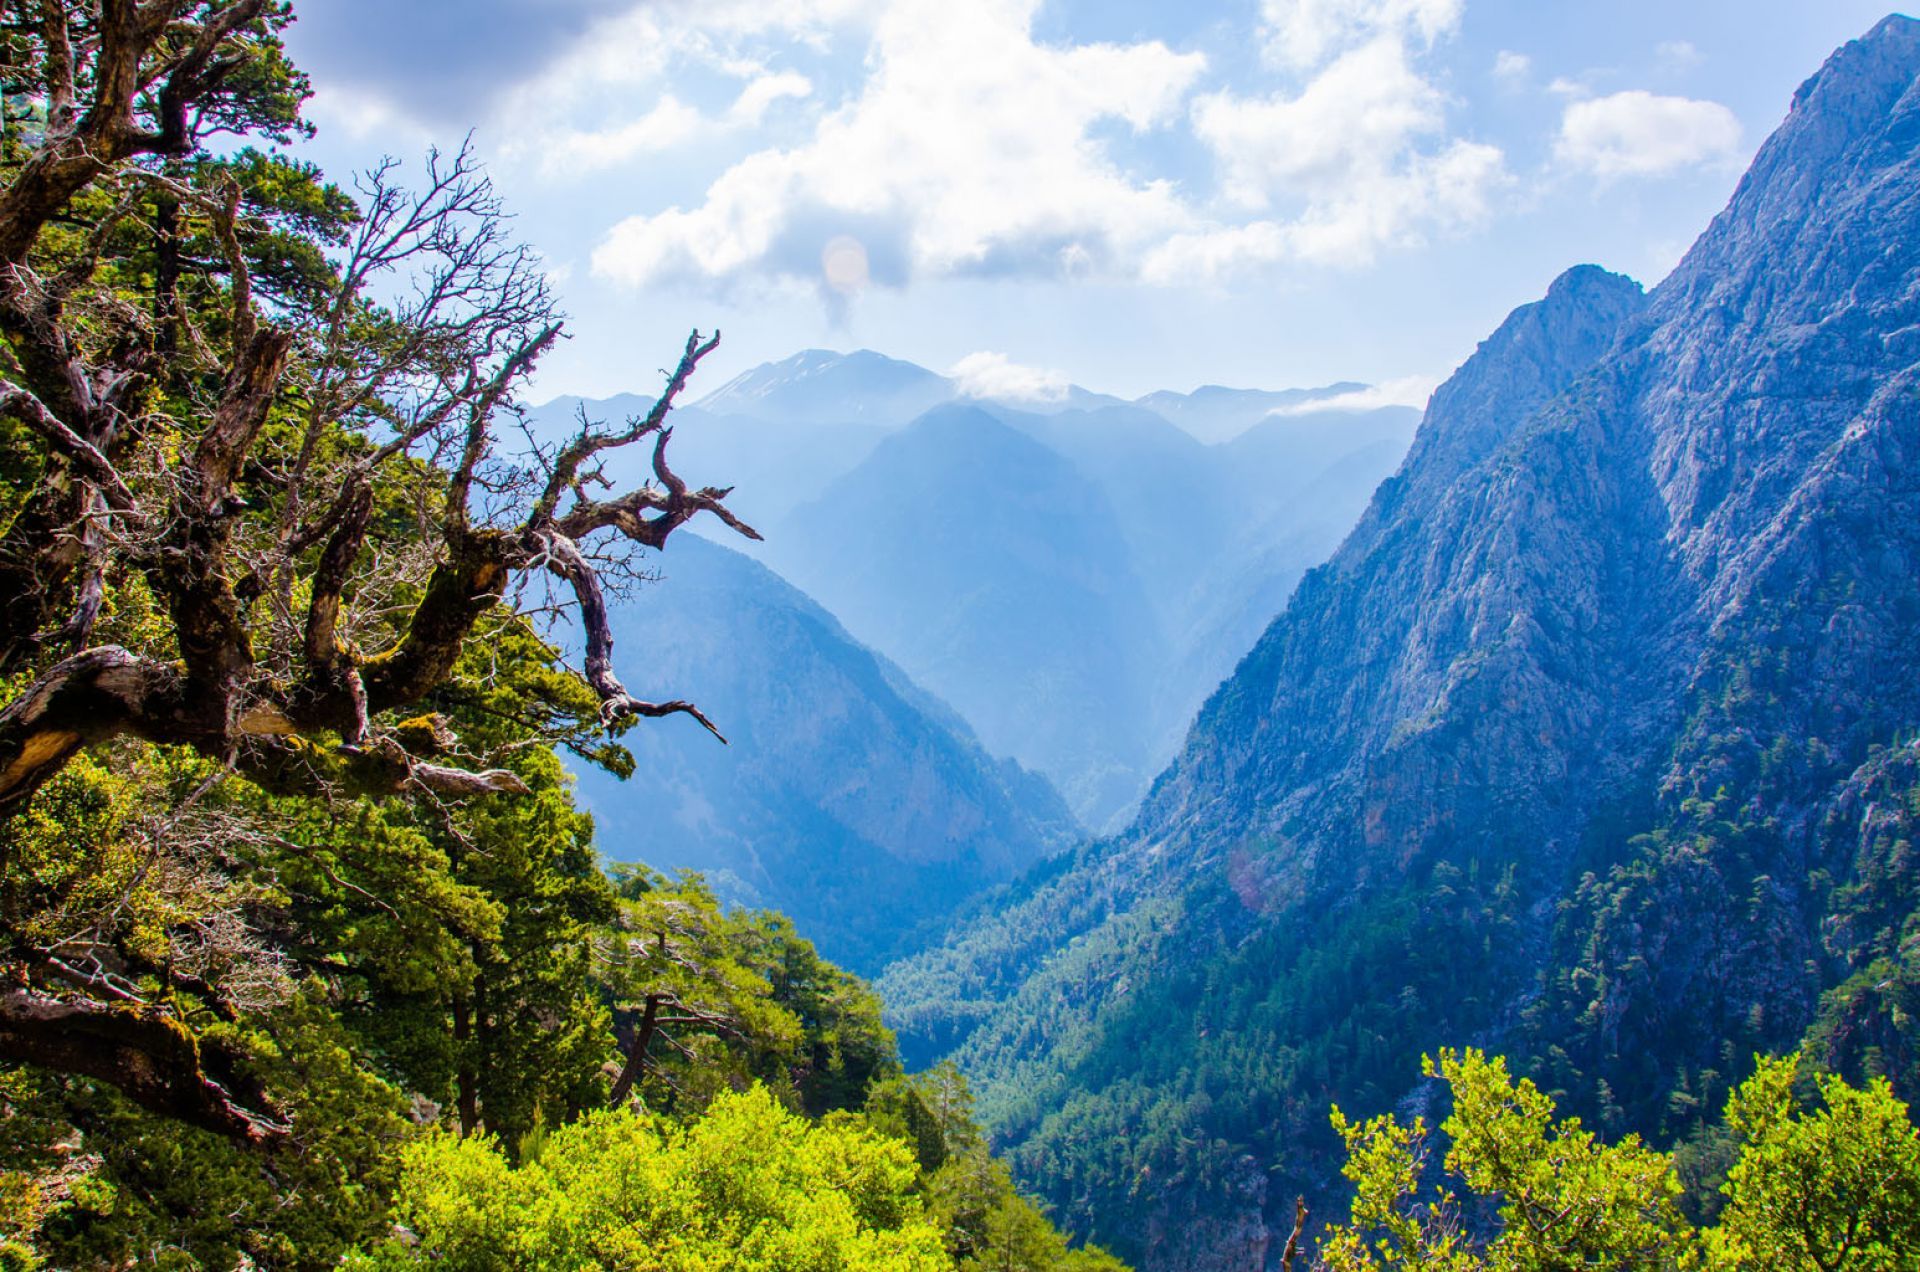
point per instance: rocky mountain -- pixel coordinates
(1595, 743)
(848, 798)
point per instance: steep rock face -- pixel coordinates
(1781, 394)
(1417, 660)
(1581, 745)
(849, 798)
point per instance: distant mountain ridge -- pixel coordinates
(997, 574)
(1594, 743)
(820, 386)
(848, 797)
(816, 386)
(1214, 413)
(1076, 583)
(1090, 668)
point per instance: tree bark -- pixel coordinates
(466, 1077)
(636, 1054)
(142, 1051)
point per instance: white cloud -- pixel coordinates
(1636, 133)
(966, 151)
(1410, 390)
(972, 149)
(995, 376)
(763, 91)
(1511, 67)
(580, 114)
(1305, 33)
(1359, 160)
(670, 123)
(1352, 120)
(363, 116)
(1676, 55)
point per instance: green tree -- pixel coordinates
(750, 1185)
(692, 1007)
(985, 1221)
(1824, 1191)
(1565, 1200)
(1836, 1189)
(707, 999)
(257, 503)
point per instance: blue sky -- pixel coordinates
(1123, 194)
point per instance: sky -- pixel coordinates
(1124, 194)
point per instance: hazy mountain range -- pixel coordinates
(1057, 589)
(847, 797)
(1075, 581)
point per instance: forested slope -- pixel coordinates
(1594, 742)
(303, 939)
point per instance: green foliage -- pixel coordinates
(1836, 1189)
(324, 986)
(1565, 1199)
(1831, 1190)
(733, 997)
(749, 1186)
(106, 1185)
(985, 1221)
(1176, 1044)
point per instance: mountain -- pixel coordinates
(1076, 582)
(817, 386)
(1213, 413)
(1595, 743)
(1219, 535)
(997, 575)
(1253, 514)
(848, 798)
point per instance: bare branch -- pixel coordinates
(564, 559)
(82, 454)
(589, 443)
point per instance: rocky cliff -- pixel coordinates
(1594, 742)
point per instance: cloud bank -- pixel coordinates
(1638, 134)
(836, 146)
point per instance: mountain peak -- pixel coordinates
(1582, 283)
(1853, 126)
(1534, 355)
(820, 386)
(1857, 90)
(1886, 57)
